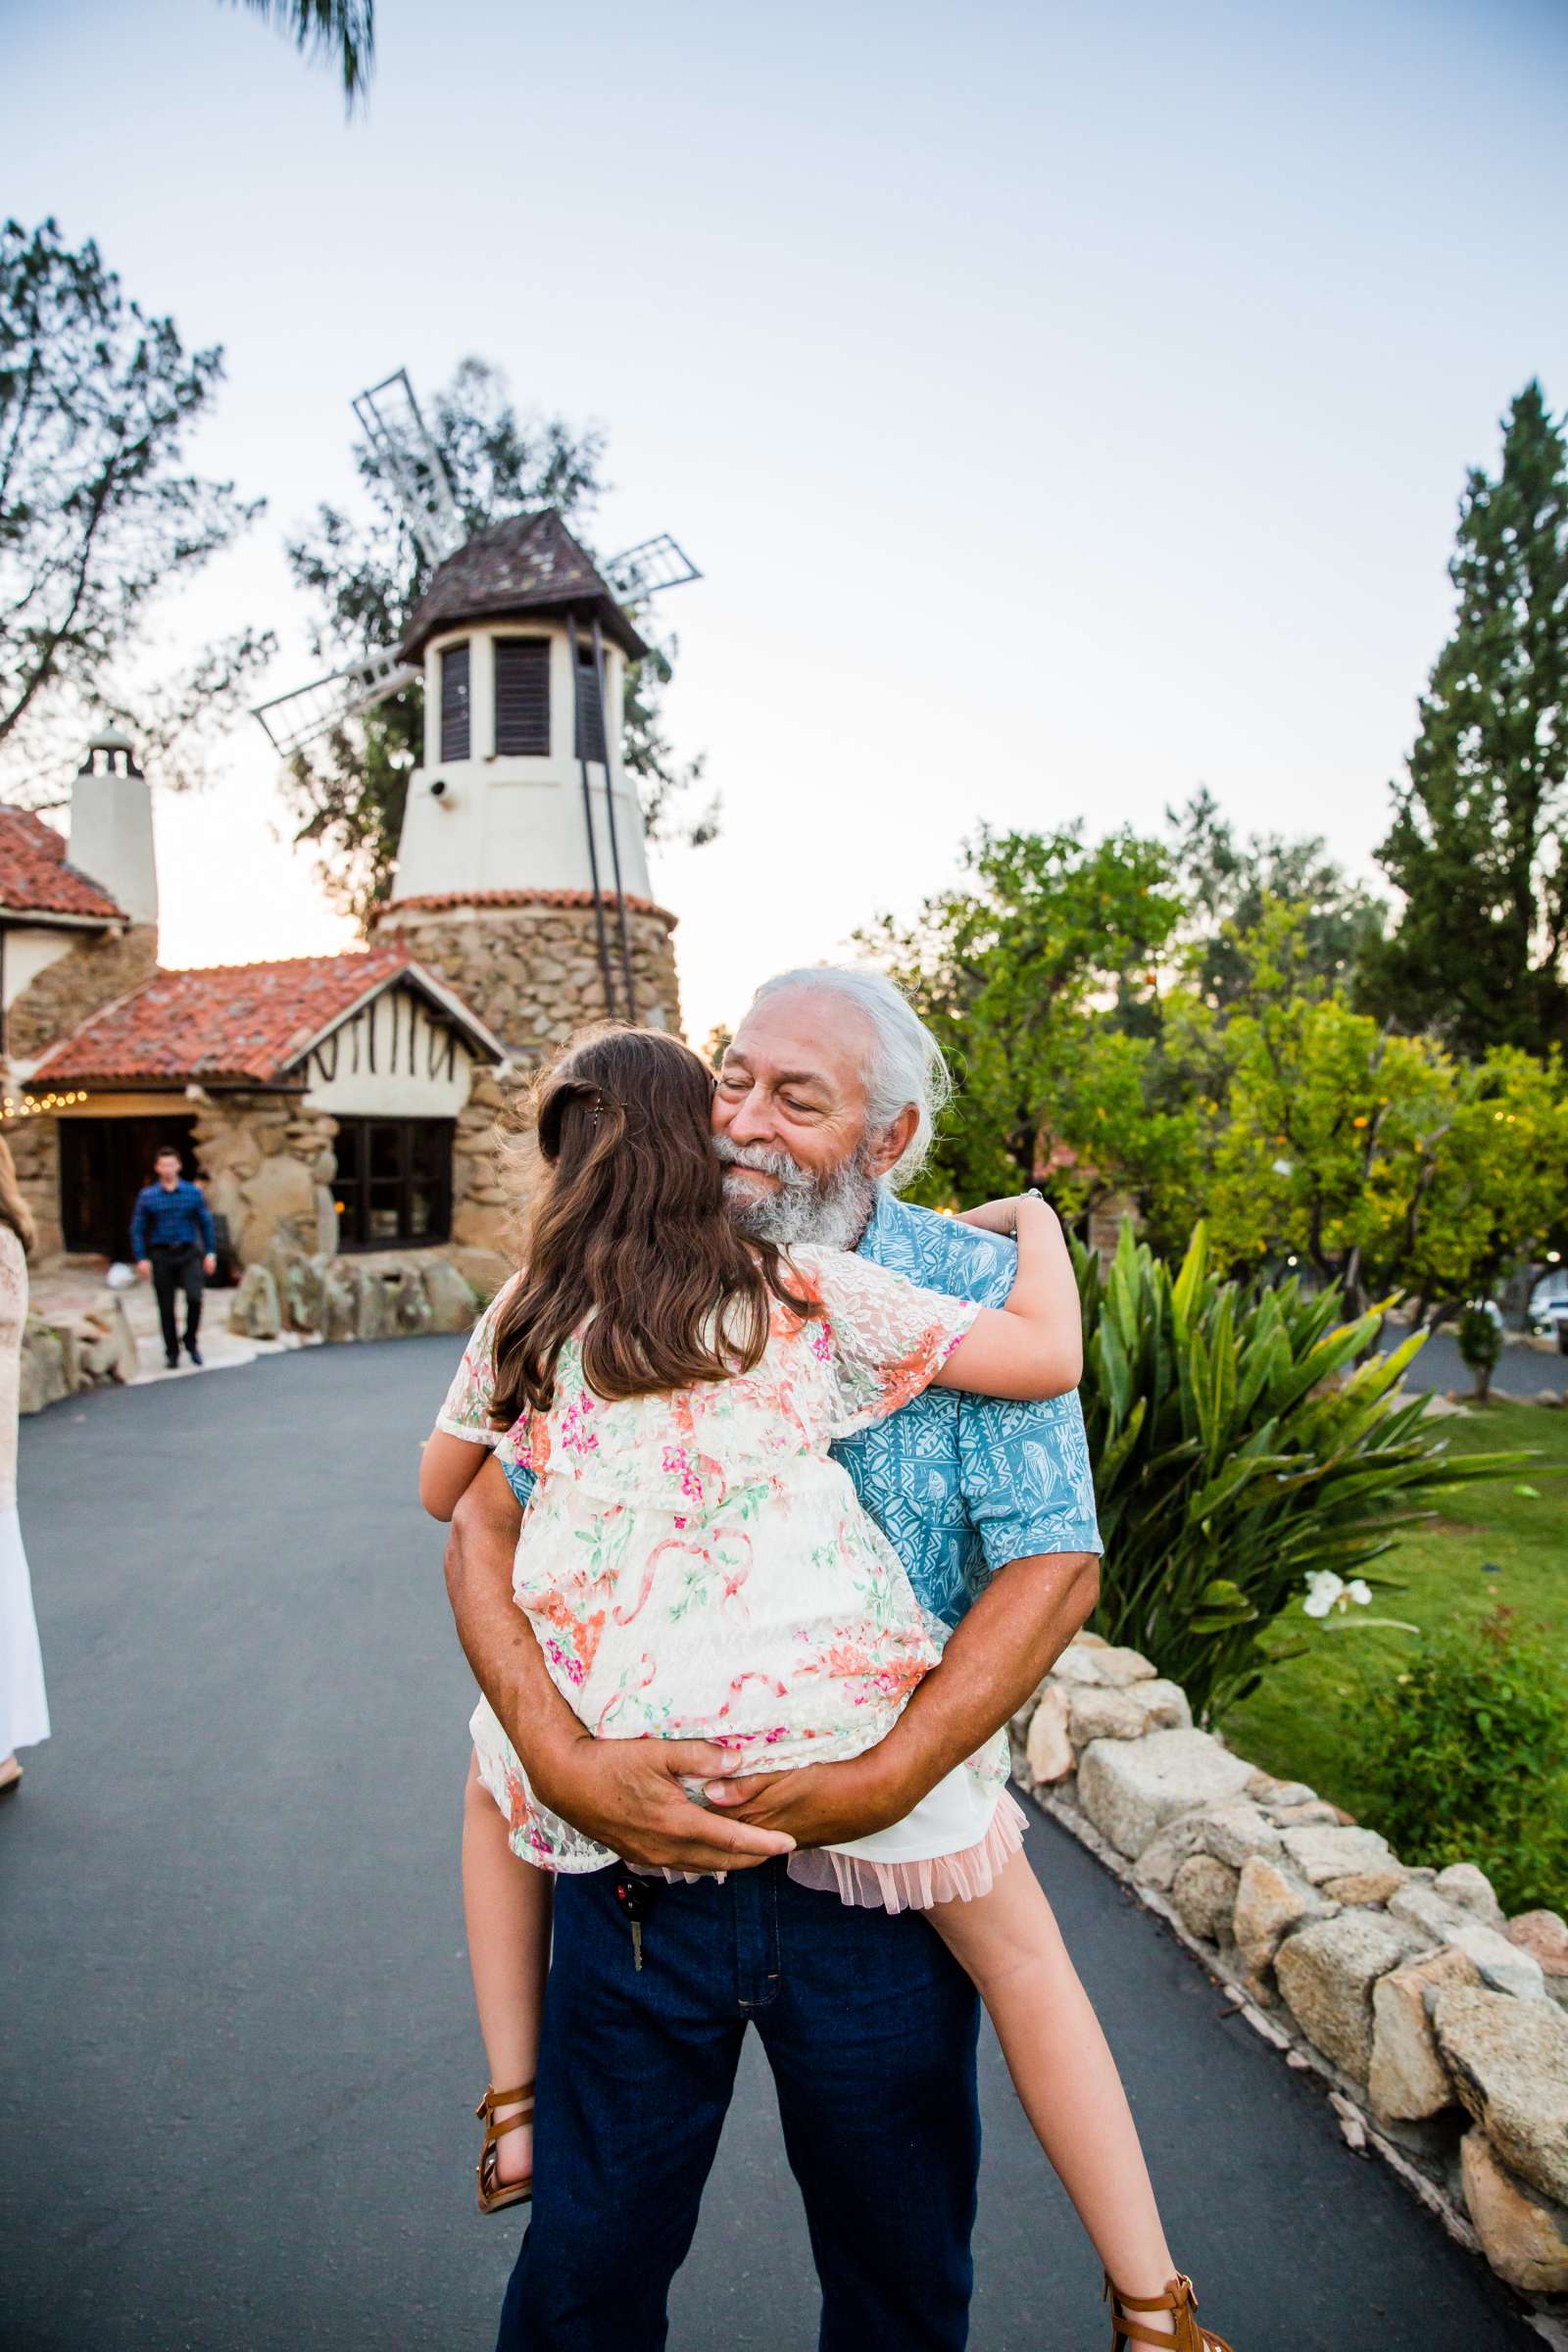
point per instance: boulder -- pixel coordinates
(1270, 1901)
(1366, 1886)
(340, 1297)
(410, 1304)
(1306, 1813)
(1462, 1883)
(1203, 1892)
(1406, 2079)
(1077, 1667)
(42, 1375)
(1131, 1787)
(375, 1294)
(1264, 1790)
(1162, 1857)
(452, 1305)
(1162, 1705)
(255, 1309)
(107, 1349)
(1094, 1713)
(1123, 1666)
(1544, 1937)
(1326, 1973)
(1509, 2063)
(299, 1286)
(1322, 1852)
(1506, 1967)
(1047, 1750)
(1234, 1831)
(1524, 2236)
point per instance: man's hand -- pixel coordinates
(627, 1794)
(208, 1265)
(822, 1804)
(144, 1267)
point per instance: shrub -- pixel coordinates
(1479, 1343)
(1464, 1758)
(1231, 1457)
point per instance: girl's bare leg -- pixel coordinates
(1010, 1945)
(506, 1907)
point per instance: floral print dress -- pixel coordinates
(696, 1566)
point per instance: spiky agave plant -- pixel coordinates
(1241, 1439)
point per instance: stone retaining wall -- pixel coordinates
(382, 1295)
(1442, 2025)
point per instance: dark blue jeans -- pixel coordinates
(869, 2027)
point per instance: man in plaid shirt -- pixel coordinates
(171, 1239)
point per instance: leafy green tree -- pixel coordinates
(1016, 970)
(1479, 843)
(1377, 1160)
(100, 518)
(365, 578)
(1224, 882)
(340, 32)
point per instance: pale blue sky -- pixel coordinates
(1066, 405)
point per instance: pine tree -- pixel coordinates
(1479, 843)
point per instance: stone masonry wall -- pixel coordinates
(268, 1165)
(531, 970)
(1440, 2024)
(97, 970)
(35, 1149)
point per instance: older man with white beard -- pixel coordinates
(824, 1103)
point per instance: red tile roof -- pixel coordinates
(436, 901)
(34, 877)
(230, 1021)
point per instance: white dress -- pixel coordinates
(696, 1565)
(24, 1709)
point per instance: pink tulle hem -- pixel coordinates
(916, 1885)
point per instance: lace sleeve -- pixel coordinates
(465, 1411)
(889, 1338)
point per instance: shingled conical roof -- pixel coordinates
(530, 563)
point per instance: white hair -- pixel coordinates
(904, 1068)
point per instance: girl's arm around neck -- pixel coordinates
(1033, 1347)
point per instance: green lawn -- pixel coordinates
(1499, 1546)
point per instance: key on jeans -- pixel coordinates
(635, 1895)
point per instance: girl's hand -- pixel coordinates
(994, 1217)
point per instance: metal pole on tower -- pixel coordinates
(588, 820)
(609, 813)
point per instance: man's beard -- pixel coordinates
(832, 1209)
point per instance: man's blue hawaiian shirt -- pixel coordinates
(962, 1485)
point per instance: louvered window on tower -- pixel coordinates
(590, 714)
(455, 732)
(522, 697)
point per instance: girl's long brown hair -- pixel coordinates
(630, 1234)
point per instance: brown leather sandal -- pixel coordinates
(1178, 2299)
(494, 2193)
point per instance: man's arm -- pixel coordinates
(626, 1793)
(1016, 1630)
(138, 1229)
(209, 1229)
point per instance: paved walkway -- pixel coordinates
(237, 2051)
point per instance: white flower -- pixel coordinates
(1326, 1591)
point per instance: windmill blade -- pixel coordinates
(648, 567)
(305, 713)
(390, 419)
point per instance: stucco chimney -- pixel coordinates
(112, 826)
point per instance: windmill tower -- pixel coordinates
(522, 870)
